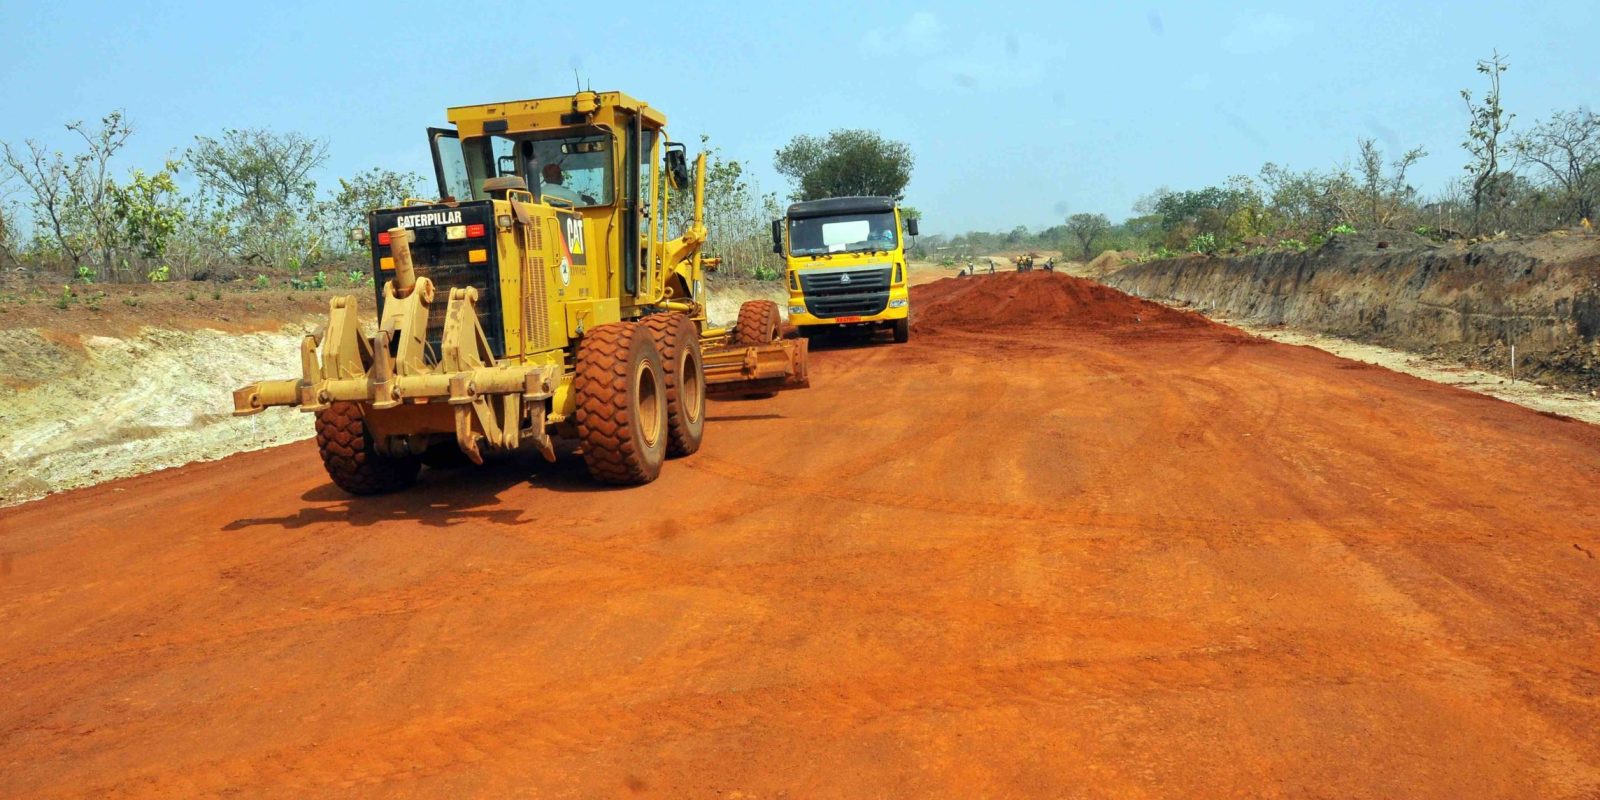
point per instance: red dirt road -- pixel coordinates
(1107, 556)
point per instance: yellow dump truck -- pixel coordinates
(846, 264)
(541, 296)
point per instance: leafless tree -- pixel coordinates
(1489, 123)
(1566, 148)
(71, 196)
(1385, 195)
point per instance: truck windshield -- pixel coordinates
(846, 233)
(572, 169)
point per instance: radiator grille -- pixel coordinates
(535, 299)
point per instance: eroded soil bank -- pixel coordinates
(1468, 303)
(99, 382)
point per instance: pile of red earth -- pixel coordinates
(1034, 299)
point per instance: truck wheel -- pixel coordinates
(621, 404)
(678, 341)
(758, 323)
(350, 459)
(902, 331)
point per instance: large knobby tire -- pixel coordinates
(902, 331)
(349, 457)
(758, 323)
(678, 341)
(621, 404)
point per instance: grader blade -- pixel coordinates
(736, 370)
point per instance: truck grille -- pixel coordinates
(849, 292)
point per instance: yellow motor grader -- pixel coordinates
(540, 297)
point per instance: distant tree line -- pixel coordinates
(246, 203)
(239, 203)
(1541, 177)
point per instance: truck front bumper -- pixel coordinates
(898, 307)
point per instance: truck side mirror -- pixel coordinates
(777, 236)
(911, 226)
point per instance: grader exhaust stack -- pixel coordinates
(568, 314)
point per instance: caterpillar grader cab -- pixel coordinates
(541, 297)
(846, 264)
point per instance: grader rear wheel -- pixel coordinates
(758, 323)
(621, 404)
(349, 457)
(678, 341)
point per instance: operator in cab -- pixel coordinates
(552, 185)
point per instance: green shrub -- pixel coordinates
(318, 281)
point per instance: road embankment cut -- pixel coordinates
(1468, 303)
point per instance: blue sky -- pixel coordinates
(1019, 112)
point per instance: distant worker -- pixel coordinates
(1050, 264)
(553, 187)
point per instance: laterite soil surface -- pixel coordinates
(1088, 547)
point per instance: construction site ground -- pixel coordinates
(1064, 543)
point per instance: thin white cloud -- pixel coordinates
(1257, 32)
(922, 34)
(980, 63)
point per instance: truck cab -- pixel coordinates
(846, 264)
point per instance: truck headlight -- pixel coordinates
(797, 309)
(897, 304)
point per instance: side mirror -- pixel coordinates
(777, 236)
(678, 169)
(911, 226)
(358, 236)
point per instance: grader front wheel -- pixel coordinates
(678, 341)
(349, 457)
(758, 323)
(621, 404)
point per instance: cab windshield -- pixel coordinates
(572, 170)
(845, 233)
